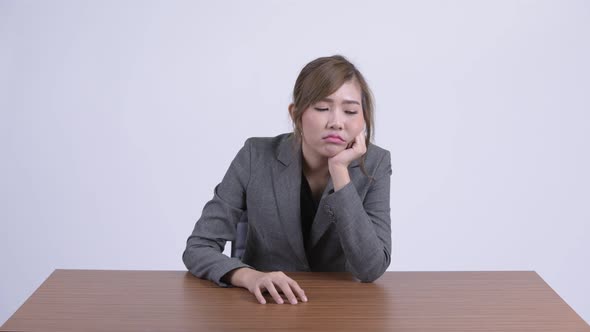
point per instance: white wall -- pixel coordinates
(118, 119)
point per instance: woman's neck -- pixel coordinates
(313, 164)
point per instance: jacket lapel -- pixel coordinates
(287, 188)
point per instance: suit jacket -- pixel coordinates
(351, 230)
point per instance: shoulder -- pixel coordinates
(375, 151)
(377, 154)
(266, 143)
(377, 160)
(267, 147)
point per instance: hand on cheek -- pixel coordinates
(353, 151)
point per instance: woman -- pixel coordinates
(316, 199)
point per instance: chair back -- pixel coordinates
(238, 246)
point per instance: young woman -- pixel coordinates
(316, 199)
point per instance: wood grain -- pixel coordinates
(98, 300)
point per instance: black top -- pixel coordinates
(309, 207)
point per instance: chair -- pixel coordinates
(238, 246)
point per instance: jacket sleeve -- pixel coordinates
(203, 255)
(364, 227)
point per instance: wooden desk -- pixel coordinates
(87, 300)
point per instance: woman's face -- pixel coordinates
(331, 124)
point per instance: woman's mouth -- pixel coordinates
(334, 139)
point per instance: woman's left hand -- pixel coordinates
(356, 149)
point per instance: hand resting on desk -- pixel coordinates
(257, 282)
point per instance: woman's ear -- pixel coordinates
(292, 111)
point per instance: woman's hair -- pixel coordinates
(319, 79)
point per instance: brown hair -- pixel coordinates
(319, 79)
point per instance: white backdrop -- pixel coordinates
(119, 118)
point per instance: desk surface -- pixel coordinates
(97, 300)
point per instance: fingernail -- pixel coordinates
(305, 299)
(293, 301)
(263, 302)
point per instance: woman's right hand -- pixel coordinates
(272, 282)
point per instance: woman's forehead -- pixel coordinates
(347, 93)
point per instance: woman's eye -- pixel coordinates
(321, 109)
(350, 112)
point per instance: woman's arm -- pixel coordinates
(203, 255)
(204, 249)
(364, 227)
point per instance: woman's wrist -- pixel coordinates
(340, 176)
(240, 276)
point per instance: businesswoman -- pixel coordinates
(316, 199)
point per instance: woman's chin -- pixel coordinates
(332, 150)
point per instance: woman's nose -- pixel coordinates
(335, 120)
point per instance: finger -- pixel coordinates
(362, 138)
(259, 296)
(298, 290)
(270, 287)
(286, 289)
(362, 141)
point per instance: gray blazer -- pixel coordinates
(351, 230)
